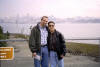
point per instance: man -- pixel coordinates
(56, 46)
(38, 43)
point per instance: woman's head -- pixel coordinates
(51, 26)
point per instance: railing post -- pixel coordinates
(99, 49)
(98, 58)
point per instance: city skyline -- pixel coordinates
(57, 8)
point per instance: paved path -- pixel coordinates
(23, 58)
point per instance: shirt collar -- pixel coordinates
(41, 26)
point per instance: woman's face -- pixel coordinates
(51, 27)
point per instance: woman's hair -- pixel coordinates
(51, 22)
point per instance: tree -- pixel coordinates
(7, 35)
(1, 30)
(2, 36)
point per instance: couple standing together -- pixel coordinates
(47, 43)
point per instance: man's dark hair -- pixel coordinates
(51, 22)
(44, 17)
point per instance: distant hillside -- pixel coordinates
(33, 20)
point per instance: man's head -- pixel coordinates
(51, 25)
(44, 20)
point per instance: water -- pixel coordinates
(17, 28)
(69, 30)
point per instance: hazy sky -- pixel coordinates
(57, 8)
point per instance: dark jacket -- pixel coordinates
(35, 39)
(60, 44)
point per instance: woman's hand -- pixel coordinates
(34, 54)
(62, 56)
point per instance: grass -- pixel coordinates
(21, 36)
(83, 49)
(3, 37)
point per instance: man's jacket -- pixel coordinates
(35, 39)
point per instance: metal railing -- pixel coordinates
(10, 40)
(70, 52)
(65, 39)
(74, 51)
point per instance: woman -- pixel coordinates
(56, 46)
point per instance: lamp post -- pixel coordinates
(30, 28)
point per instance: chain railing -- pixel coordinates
(84, 49)
(73, 48)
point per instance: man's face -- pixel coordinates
(51, 26)
(44, 21)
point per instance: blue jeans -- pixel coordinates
(54, 62)
(44, 55)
